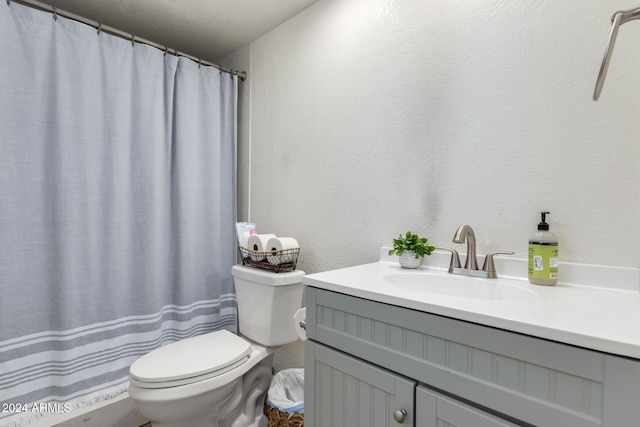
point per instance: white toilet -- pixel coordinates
(220, 379)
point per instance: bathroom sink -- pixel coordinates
(442, 284)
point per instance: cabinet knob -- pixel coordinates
(399, 415)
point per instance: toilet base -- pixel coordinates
(243, 407)
(196, 415)
(255, 385)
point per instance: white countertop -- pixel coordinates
(601, 313)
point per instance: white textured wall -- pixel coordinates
(369, 118)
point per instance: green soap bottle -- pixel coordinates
(543, 255)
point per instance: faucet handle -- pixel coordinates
(455, 258)
(489, 266)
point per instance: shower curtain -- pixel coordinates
(117, 208)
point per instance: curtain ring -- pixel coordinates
(8, 2)
(166, 49)
(99, 27)
(133, 36)
(55, 14)
(199, 62)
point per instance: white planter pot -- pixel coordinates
(408, 260)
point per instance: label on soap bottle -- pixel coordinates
(543, 260)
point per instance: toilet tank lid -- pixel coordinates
(265, 277)
(191, 357)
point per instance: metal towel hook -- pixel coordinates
(617, 19)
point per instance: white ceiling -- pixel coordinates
(207, 29)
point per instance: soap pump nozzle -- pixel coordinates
(543, 224)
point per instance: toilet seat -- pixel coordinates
(190, 360)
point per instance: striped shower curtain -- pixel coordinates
(117, 208)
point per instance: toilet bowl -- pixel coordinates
(220, 379)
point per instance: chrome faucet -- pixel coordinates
(464, 234)
(617, 20)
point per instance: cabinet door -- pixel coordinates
(436, 410)
(342, 391)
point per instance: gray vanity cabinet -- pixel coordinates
(347, 392)
(366, 360)
(436, 410)
(351, 393)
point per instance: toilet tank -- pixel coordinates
(267, 302)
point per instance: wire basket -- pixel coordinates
(283, 419)
(282, 260)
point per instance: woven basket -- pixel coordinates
(277, 261)
(284, 419)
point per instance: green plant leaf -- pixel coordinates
(411, 242)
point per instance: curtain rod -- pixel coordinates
(122, 34)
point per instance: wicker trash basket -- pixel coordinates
(284, 419)
(284, 405)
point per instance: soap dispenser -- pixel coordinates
(543, 255)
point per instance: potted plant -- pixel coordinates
(411, 249)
